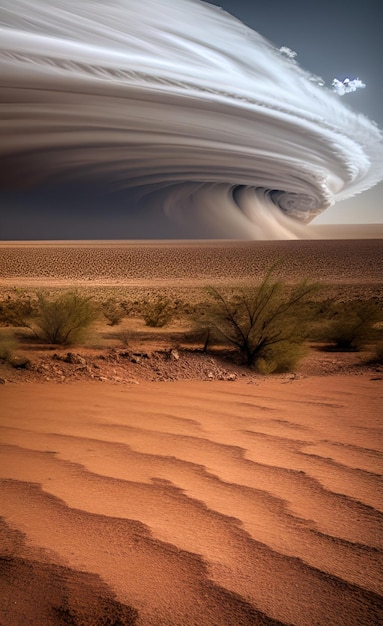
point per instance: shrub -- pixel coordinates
(266, 324)
(283, 357)
(353, 324)
(113, 311)
(17, 310)
(64, 319)
(158, 312)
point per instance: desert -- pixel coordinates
(156, 484)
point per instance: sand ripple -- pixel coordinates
(193, 503)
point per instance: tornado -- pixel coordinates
(198, 117)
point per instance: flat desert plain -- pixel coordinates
(254, 500)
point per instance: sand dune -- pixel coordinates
(193, 503)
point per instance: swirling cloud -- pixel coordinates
(182, 102)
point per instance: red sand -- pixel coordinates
(192, 503)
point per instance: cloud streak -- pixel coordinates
(182, 103)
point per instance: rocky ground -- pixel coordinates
(125, 366)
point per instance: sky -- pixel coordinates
(333, 39)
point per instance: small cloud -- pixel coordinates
(338, 86)
(346, 86)
(291, 54)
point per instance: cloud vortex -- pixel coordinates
(200, 115)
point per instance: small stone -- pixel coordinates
(75, 359)
(174, 354)
(2, 381)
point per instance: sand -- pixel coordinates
(251, 500)
(192, 503)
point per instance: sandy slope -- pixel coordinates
(192, 503)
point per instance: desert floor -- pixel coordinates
(203, 496)
(203, 503)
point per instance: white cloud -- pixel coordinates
(346, 86)
(291, 54)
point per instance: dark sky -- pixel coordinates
(333, 38)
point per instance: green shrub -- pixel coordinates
(64, 319)
(267, 324)
(158, 312)
(283, 357)
(352, 325)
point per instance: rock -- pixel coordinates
(174, 354)
(135, 359)
(20, 362)
(210, 375)
(2, 381)
(75, 359)
(231, 377)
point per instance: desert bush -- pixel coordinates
(266, 324)
(18, 309)
(113, 311)
(283, 357)
(158, 312)
(64, 319)
(352, 325)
